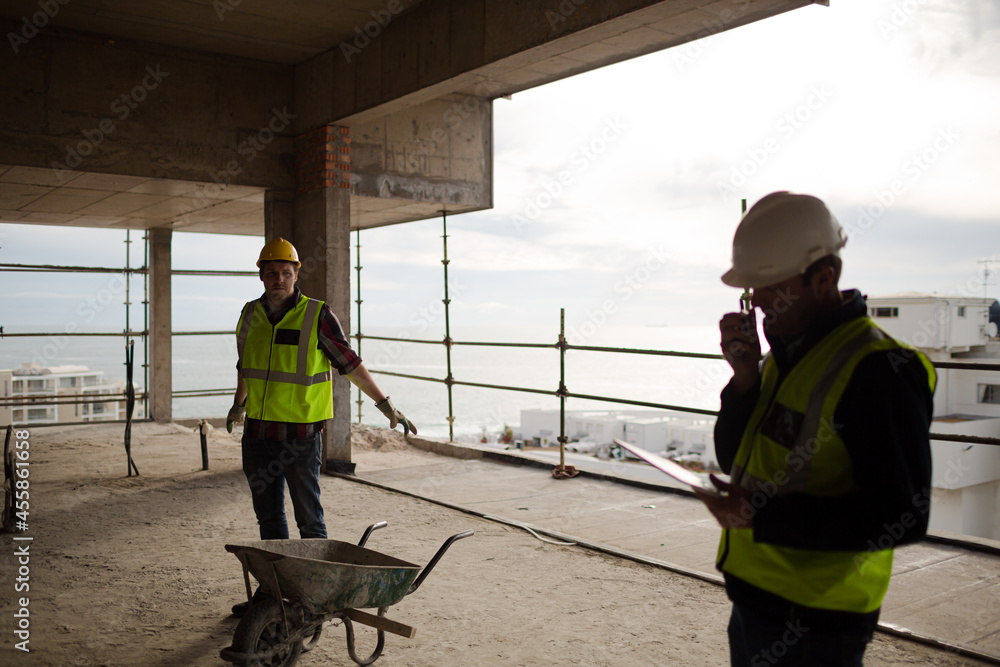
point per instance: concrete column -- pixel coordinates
(279, 214)
(161, 358)
(322, 234)
(322, 237)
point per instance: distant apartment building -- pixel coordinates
(36, 394)
(966, 493)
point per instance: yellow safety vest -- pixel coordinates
(817, 464)
(288, 378)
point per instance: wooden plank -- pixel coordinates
(381, 623)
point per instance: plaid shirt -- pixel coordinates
(334, 345)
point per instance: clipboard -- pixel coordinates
(693, 479)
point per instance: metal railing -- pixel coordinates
(562, 392)
(45, 398)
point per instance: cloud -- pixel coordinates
(482, 307)
(477, 251)
(910, 250)
(947, 36)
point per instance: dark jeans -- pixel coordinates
(268, 466)
(759, 641)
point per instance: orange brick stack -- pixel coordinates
(323, 159)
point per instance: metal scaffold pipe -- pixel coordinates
(447, 329)
(357, 326)
(52, 268)
(562, 471)
(145, 325)
(562, 387)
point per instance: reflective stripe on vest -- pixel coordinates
(288, 378)
(791, 429)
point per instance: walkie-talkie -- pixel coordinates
(749, 314)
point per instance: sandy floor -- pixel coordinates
(132, 571)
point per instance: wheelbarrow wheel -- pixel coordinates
(262, 632)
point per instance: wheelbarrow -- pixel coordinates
(310, 582)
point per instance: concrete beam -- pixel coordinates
(145, 110)
(414, 84)
(440, 151)
(448, 46)
(160, 326)
(279, 214)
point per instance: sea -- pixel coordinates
(208, 362)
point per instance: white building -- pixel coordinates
(966, 493)
(36, 394)
(659, 431)
(582, 425)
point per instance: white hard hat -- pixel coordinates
(779, 237)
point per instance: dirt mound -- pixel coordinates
(373, 438)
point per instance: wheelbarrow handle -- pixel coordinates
(440, 552)
(370, 529)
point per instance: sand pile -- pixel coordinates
(372, 438)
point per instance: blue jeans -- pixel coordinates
(268, 465)
(759, 641)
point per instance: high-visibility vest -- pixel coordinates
(813, 460)
(288, 378)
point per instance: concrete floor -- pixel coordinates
(938, 591)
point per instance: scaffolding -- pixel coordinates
(560, 343)
(129, 335)
(562, 392)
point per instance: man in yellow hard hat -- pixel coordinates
(288, 346)
(825, 440)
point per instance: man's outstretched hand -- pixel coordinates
(395, 416)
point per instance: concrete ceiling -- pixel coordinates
(291, 33)
(278, 32)
(35, 196)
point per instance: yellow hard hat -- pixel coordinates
(279, 250)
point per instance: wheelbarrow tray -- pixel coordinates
(326, 576)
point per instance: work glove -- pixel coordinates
(236, 415)
(395, 416)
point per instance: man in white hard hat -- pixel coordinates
(825, 440)
(288, 346)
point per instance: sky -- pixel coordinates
(617, 192)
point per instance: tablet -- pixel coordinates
(693, 479)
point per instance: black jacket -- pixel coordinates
(884, 419)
